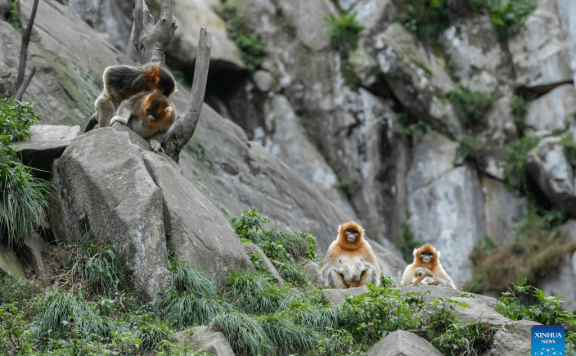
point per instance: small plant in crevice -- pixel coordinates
(518, 107)
(426, 19)
(470, 106)
(243, 33)
(344, 32)
(348, 185)
(509, 17)
(569, 147)
(409, 243)
(471, 147)
(407, 127)
(515, 168)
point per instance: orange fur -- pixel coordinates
(433, 265)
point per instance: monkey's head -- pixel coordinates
(426, 254)
(158, 108)
(161, 79)
(421, 272)
(350, 233)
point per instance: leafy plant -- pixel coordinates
(101, 270)
(407, 128)
(344, 32)
(409, 243)
(13, 16)
(424, 18)
(509, 17)
(515, 168)
(16, 117)
(470, 106)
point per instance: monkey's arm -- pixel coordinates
(406, 275)
(370, 273)
(123, 113)
(431, 281)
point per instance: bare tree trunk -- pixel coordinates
(151, 41)
(20, 86)
(183, 129)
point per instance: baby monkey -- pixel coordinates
(149, 114)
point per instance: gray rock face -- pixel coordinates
(403, 343)
(35, 245)
(253, 248)
(560, 282)
(263, 80)
(313, 270)
(551, 111)
(512, 340)
(478, 312)
(539, 52)
(549, 168)
(389, 262)
(190, 16)
(102, 186)
(415, 80)
(482, 63)
(445, 203)
(197, 230)
(565, 10)
(338, 296)
(214, 343)
(9, 262)
(430, 293)
(46, 143)
(503, 209)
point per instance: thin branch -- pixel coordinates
(151, 40)
(24, 48)
(24, 86)
(183, 129)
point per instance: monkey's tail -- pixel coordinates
(91, 123)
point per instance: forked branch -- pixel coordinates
(20, 86)
(150, 39)
(183, 129)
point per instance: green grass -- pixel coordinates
(287, 336)
(470, 106)
(515, 168)
(246, 334)
(509, 17)
(293, 274)
(344, 32)
(256, 293)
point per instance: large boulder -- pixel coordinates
(204, 340)
(190, 16)
(565, 10)
(549, 168)
(539, 51)
(482, 62)
(337, 296)
(513, 339)
(416, 78)
(403, 343)
(445, 203)
(550, 112)
(103, 187)
(9, 263)
(251, 248)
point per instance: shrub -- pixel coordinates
(286, 336)
(246, 335)
(470, 106)
(256, 293)
(100, 269)
(344, 32)
(152, 336)
(509, 17)
(293, 273)
(423, 17)
(515, 168)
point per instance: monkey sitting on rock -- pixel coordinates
(350, 261)
(427, 269)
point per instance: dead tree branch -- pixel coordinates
(151, 40)
(20, 86)
(183, 129)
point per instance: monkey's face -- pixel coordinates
(427, 256)
(158, 108)
(351, 235)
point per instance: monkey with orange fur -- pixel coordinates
(350, 261)
(427, 256)
(149, 114)
(419, 274)
(122, 82)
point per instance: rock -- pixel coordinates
(198, 232)
(500, 130)
(9, 262)
(512, 340)
(114, 18)
(371, 13)
(478, 312)
(313, 270)
(503, 209)
(430, 293)
(403, 343)
(253, 248)
(565, 9)
(550, 169)
(202, 339)
(338, 296)
(390, 264)
(4, 8)
(560, 281)
(445, 204)
(539, 51)
(550, 112)
(290, 143)
(46, 143)
(35, 245)
(190, 16)
(238, 175)
(481, 60)
(102, 187)
(263, 79)
(416, 80)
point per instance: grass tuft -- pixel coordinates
(256, 293)
(246, 335)
(288, 337)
